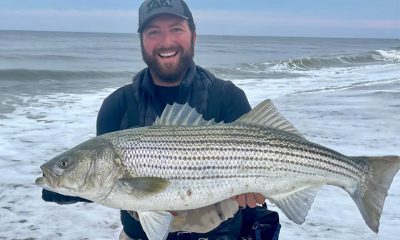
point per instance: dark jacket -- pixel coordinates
(195, 89)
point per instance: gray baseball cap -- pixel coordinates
(152, 8)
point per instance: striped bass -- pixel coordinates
(185, 162)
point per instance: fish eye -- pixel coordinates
(63, 163)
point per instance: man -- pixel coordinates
(168, 36)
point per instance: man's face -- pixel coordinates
(168, 47)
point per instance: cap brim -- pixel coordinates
(150, 18)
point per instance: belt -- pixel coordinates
(187, 236)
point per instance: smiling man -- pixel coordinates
(168, 36)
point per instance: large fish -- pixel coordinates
(185, 162)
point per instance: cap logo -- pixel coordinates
(156, 4)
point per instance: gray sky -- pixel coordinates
(313, 18)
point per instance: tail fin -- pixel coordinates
(373, 191)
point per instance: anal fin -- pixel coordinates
(156, 224)
(295, 205)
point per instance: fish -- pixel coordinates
(185, 162)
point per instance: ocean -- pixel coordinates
(341, 93)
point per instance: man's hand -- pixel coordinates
(249, 199)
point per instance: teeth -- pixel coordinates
(168, 54)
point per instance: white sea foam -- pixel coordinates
(319, 80)
(40, 128)
(45, 126)
(389, 55)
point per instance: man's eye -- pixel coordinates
(177, 30)
(152, 33)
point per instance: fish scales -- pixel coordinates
(179, 153)
(171, 155)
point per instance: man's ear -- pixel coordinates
(194, 38)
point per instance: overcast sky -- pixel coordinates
(314, 18)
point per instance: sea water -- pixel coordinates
(341, 93)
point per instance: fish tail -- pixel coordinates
(371, 193)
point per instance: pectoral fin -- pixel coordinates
(295, 205)
(143, 185)
(156, 224)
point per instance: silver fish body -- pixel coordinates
(207, 164)
(184, 162)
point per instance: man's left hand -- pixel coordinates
(249, 199)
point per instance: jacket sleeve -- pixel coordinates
(50, 196)
(234, 103)
(111, 113)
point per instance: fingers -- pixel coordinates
(249, 199)
(241, 199)
(260, 199)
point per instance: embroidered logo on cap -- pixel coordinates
(156, 4)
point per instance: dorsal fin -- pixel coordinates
(265, 114)
(181, 115)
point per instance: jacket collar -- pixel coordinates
(148, 84)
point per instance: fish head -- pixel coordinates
(88, 170)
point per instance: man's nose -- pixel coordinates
(167, 40)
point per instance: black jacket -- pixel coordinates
(194, 89)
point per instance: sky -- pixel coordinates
(295, 18)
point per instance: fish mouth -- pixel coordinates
(49, 178)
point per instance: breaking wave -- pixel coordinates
(293, 68)
(372, 57)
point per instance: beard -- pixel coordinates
(169, 72)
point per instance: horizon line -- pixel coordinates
(200, 34)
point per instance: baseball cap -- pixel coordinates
(152, 8)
